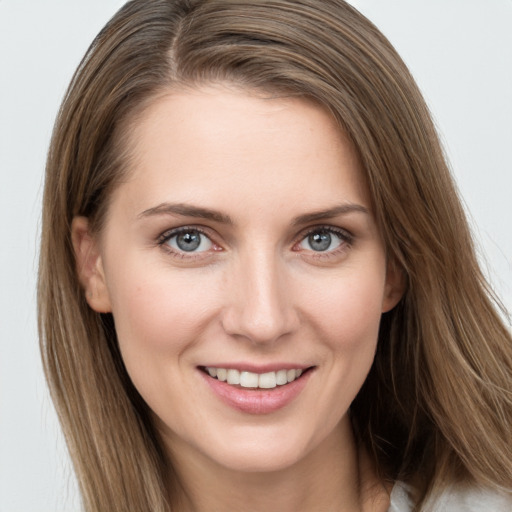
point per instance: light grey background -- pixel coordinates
(460, 52)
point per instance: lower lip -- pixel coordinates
(257, 401)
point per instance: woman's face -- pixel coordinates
(243, 245)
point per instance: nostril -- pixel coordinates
(258, 327)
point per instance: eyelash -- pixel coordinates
(168, 235)
(346, 238)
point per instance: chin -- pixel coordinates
(260, 460)
(249, 452)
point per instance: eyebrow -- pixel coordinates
(342, 209)
(186, 210)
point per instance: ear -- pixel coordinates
(89, 265)
(394, 288)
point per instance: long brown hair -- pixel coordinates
(437, 405)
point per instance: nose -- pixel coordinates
(260, 305)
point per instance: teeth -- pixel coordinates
(281, 377)
(233, 377)
(248, 380)
(267, 380)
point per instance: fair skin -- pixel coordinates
(243, 239)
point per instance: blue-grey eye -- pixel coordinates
(190, 240)
(321, 241)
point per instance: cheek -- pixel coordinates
(158, 313)
(348, 307)
(344, 314)
(159, 318)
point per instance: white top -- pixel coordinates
(453, 500)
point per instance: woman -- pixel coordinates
(257, 285)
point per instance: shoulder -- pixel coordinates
(400, 499)
(473, 500)
(453, 499)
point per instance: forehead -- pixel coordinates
(207, 143)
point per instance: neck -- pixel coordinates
(333, 476)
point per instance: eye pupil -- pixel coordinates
(188, 241)
(320, 241)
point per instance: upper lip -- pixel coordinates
(258, 368)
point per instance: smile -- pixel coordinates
(245, 379)
(254, 392)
